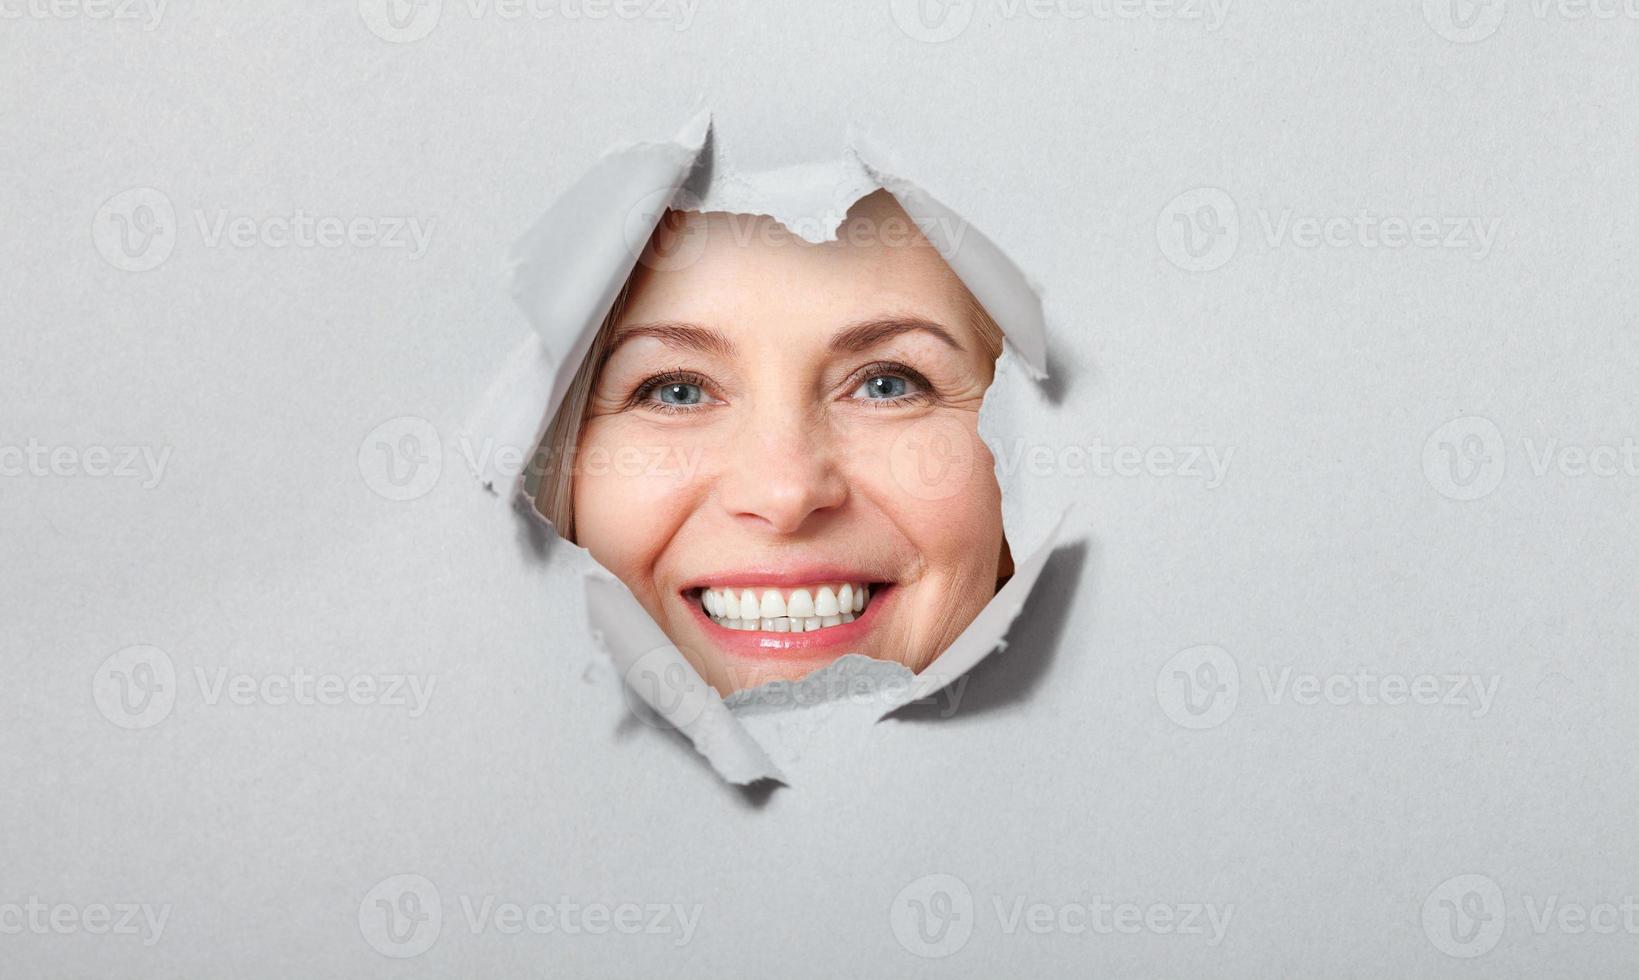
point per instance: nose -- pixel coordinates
(784, 471)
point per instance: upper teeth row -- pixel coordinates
(825, 600)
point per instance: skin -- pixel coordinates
(769, 448)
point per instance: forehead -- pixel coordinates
(732, 270)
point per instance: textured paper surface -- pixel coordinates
(1206, 725)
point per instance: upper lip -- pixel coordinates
(784, 576)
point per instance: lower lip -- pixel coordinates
(831, 641)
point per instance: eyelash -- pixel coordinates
(876, 369)
(640, 395)
(652, 384)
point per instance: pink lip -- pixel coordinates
(828, 643)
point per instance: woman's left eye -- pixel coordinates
(885, 387)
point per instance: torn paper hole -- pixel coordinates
(695, 411)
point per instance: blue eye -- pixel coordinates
(884, 386)
(680, 393)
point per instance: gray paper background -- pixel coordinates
(1404, 498)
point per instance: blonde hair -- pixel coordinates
(554, 461)
(553, 465)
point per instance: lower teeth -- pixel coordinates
(784, 624)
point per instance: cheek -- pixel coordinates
(631, 494)
(934, 479)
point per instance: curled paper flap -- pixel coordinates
(810, 200)
(569, 267)
(1010, 413)
(656, 672)
(1012, 300)
(509, 415)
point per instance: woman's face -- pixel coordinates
(781, 457)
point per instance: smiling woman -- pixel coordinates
(774, 445)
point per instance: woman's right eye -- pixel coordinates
(673, 393)
(679, 393)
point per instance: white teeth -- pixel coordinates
(776, 611)
(801, 605)
(825, 602)
(772, 605)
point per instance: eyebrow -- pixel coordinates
(681, 336)
(866, 334)
(857, 338)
